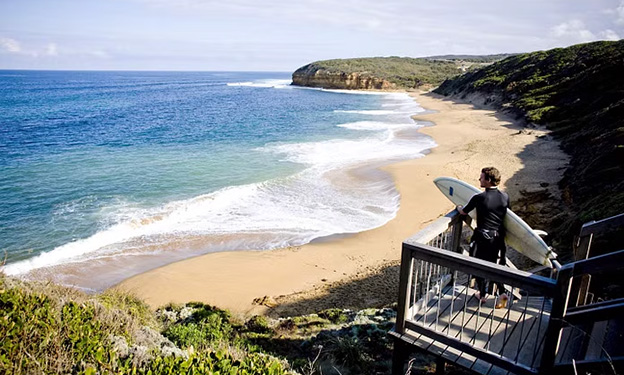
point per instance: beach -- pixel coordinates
(361, 270)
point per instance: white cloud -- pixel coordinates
(574, 31)
(10, 45)
(619, 13)
(51, 50)
(100, 54)
(609, 35)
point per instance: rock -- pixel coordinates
(267, 301)
(186, 312)
(120, 345)
(313, 76)
(140, 355)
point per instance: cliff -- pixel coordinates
(314, 76)
(387, 73)
(382, 73)
(577, 93)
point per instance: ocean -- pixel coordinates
(104, 175)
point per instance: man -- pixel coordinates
(489, 236)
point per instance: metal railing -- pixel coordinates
(535, 331)
(592, 333)
(438, 312)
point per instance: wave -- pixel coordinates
(374, 112)
(377, 125)
(271, 83)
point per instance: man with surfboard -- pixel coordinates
(489, 237)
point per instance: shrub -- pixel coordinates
(335, 316)
(204, 328)
(64, 331)
(258, 324)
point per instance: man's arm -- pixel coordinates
(464, 210)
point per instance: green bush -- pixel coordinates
(348, 351)
(51, 333)
(202, 333)
(335, 316)
(258, 324)
(129, 303)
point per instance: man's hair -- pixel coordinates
(492, 174)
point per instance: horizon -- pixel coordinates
(278, 36)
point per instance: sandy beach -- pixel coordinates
(361, 270)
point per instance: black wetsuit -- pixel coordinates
(489, 236)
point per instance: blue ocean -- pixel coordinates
(104, 175)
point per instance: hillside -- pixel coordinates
(578, 93)
(375, 73)
(485, 59)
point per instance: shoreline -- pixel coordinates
(333, 272)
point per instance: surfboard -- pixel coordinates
(519, 235)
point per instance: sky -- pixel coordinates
(283, 35)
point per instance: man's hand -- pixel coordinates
(460, 209)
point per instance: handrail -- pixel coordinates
(482, 268)
(582, 245)
(434, 229)
(600, 264)
(595, 312)
(603, 225)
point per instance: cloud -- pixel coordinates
(51, 50)
(609, 35)
(619, 13)
(99, 54)
(574, 31)
(10, 45)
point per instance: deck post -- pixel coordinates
(457, 232)
(440, 366)
(400, 355)
(555, 323)
(405, 281)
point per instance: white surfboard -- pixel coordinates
(519, 235)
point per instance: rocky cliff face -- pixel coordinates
(313, 76)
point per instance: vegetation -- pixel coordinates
(403, 72)
(485, 59)
(48, 329)
(578, 93)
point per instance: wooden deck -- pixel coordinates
(540, 331)
(516, 332)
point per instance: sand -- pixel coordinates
(361, 270)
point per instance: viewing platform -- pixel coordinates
(540, 330)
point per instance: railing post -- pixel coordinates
(400, 354)
(405, 281)
(458, 225)
(555, 323)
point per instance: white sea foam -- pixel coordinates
(374, 112)
(271, 83)
(376, 125)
